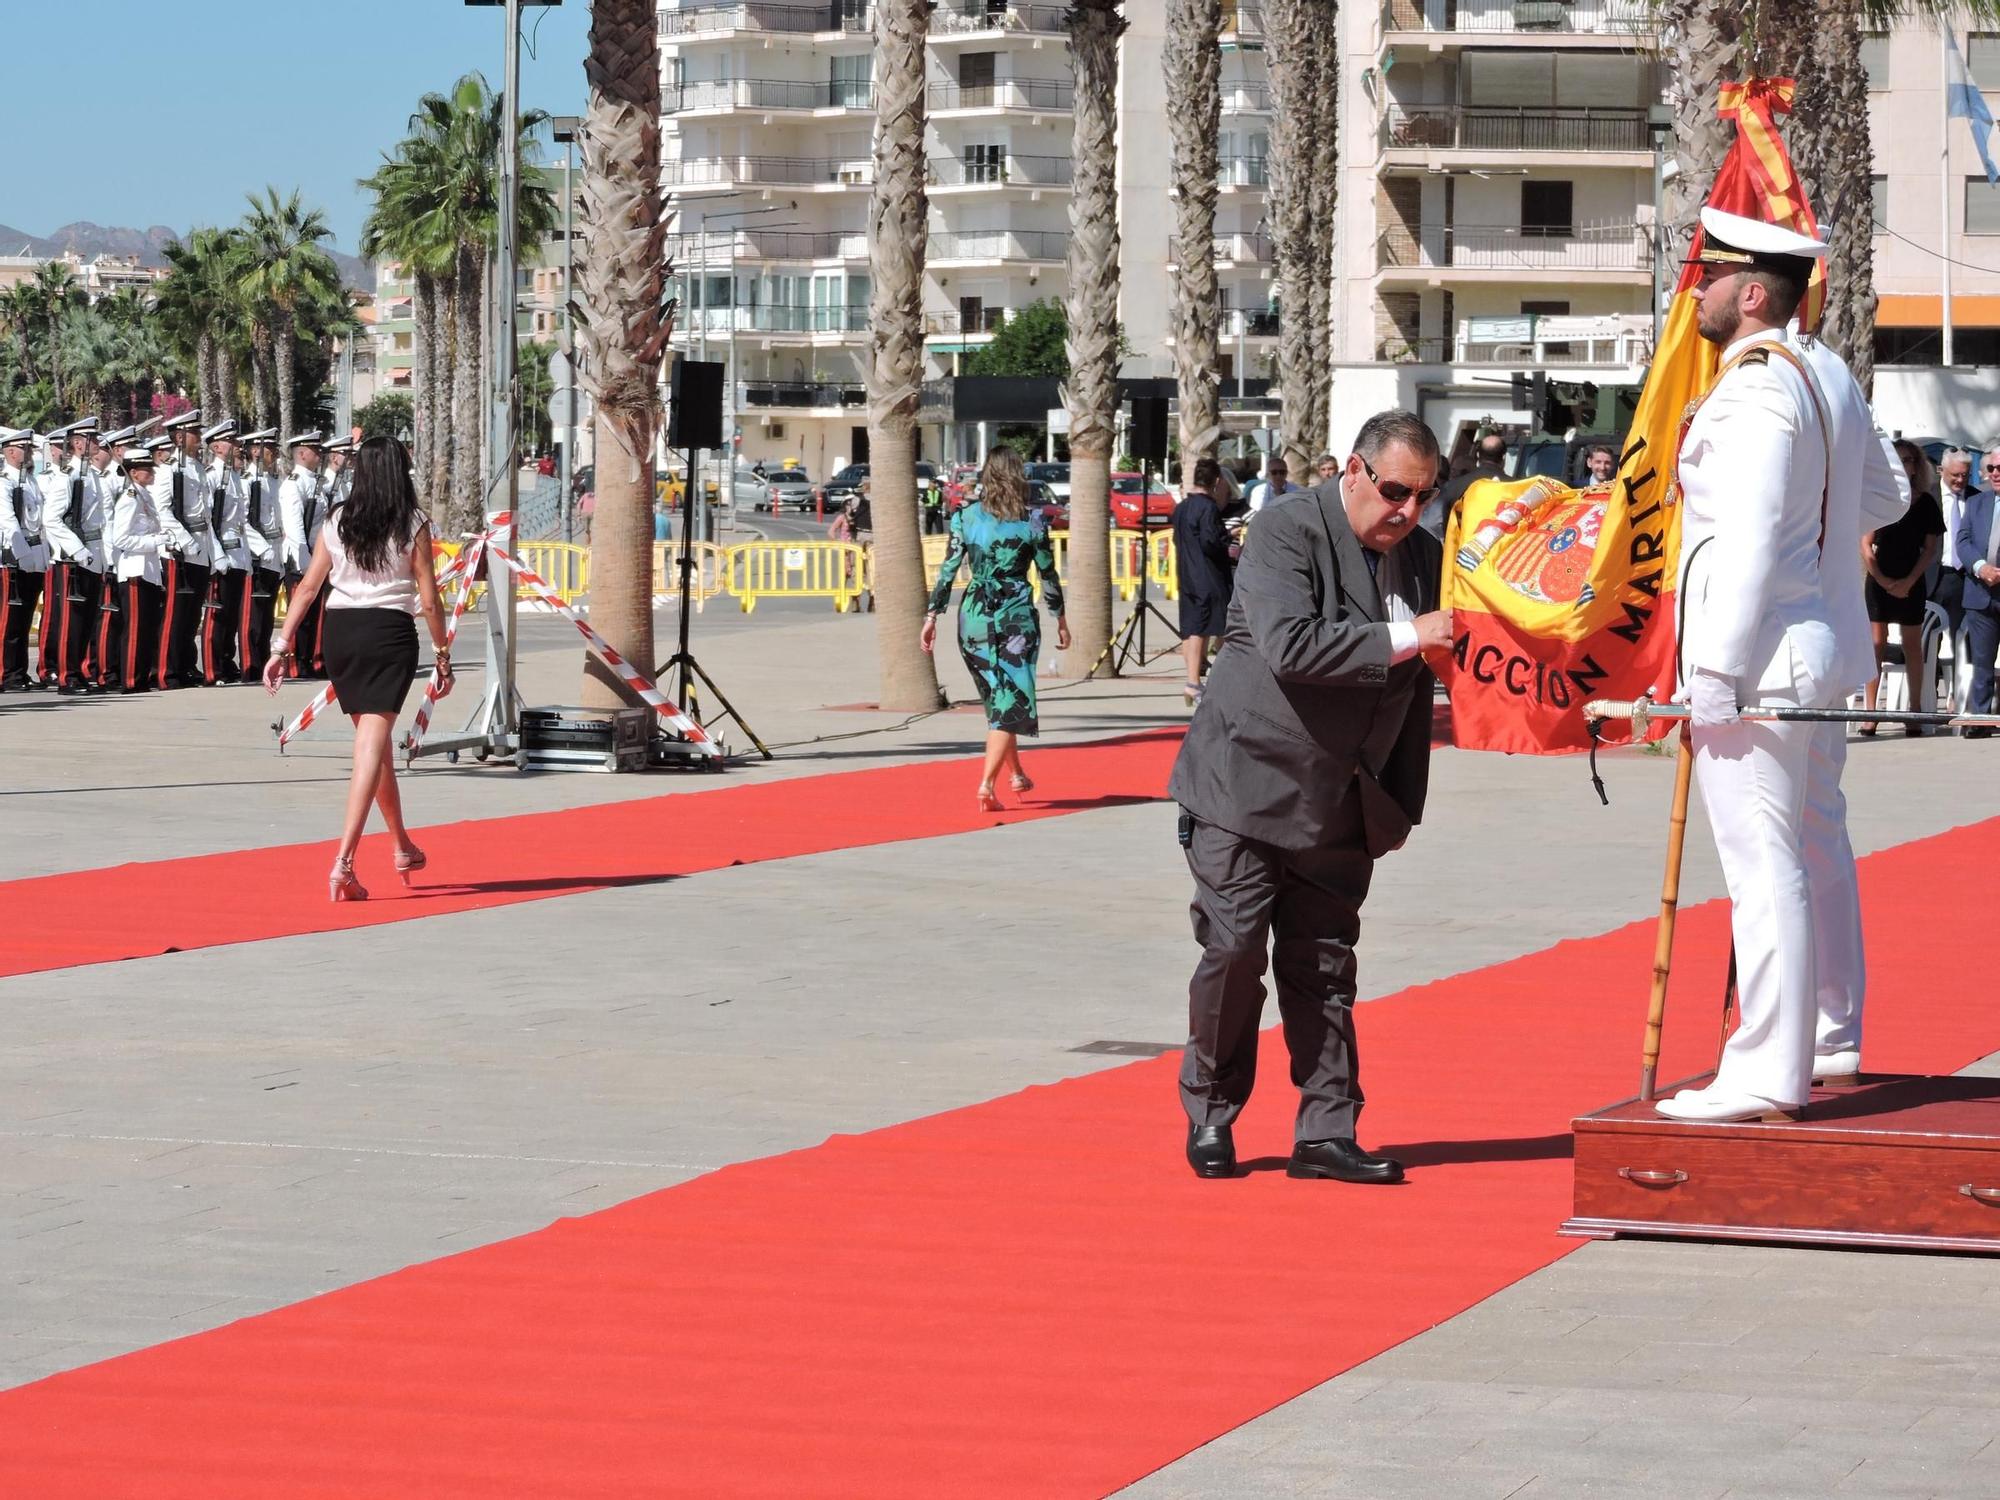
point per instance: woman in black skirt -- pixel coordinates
(374, 559)
(1897, 556)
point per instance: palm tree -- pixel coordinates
(898, 238)
(1294, 64)
(284, 267)
(404, 227)
(1192, 60)
(1092, 306)
(621, 280)
(200, 306)
(1325, 197)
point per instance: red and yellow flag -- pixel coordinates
(1564, 595)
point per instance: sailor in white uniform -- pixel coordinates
(302, 502)
(1780, 470)
(141, 542)
(228, 513)
(24, 556)
(73, 515)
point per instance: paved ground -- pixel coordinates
(188, 1139)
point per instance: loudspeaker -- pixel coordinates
(695, 417)
(1149, 429)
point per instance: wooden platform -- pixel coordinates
(1895, 1161)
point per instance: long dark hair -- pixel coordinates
(379, 517)
(1003, 485)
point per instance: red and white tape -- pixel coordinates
(669, 711)
(468, 581)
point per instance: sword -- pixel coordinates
(1643, 711)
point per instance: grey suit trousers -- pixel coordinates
(1306, 904)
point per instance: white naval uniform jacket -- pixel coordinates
(1753, 475)
(299, 503)
(263, 526)
(110, 485)
(138, 536)
(227, 510)
(73, 516)
(21, 521)
(180, 541)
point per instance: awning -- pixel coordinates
(1903, 310)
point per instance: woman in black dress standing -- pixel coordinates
(1897, 556)
(374, 558)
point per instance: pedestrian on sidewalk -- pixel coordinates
(1204, 561)
(1897, 557)
(373, 558)
(998, 634)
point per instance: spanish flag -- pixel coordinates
(1563, 595)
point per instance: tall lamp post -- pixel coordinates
(1659, 125)
(567, 129)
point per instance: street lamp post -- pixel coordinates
(566, 128)
(1659, 124)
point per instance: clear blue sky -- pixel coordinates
(296, 93)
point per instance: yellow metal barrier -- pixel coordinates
(711, 571)
(563, 566)
(797, 570)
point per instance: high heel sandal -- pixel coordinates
(1019, 781)
(988, 803)
(409, 861)
(341, 884)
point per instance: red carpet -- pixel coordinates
(1027, 1297)
(136, 910)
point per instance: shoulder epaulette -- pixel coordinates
(1755, 357)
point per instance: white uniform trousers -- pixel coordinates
(1779, 820)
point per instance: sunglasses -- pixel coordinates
(1394, 493)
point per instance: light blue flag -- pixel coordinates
(1965, 102)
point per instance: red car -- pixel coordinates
(1137, 504)
(958, 483)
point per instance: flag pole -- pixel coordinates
(1670, 901)
(1944, 185)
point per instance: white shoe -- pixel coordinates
(1710, 1108)
(1837, 1066)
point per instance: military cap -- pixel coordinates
(306, 440)
(1733, 239)
(122, 435)
(262, 435)
(136, 458)
(221, 431)
(22, 435)
(185, 419)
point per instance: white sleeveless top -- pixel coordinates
(348, 587)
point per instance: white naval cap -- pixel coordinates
(9, 436)
(306, 440)
(262, 435)
(136, 458)
(225, 429)
(185, 419)
(82, 427)
(122, 435)
(159, 444)
(1733, 238)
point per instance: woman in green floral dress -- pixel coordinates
(997, 632)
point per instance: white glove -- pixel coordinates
(1713, 699)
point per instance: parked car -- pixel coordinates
(1055, 476)
(1043, 501)
(958, 482)
(790, 488)
(838, 490)
(748, 490)
(1137, 502)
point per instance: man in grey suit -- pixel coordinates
(1975, 547)
(1305, 763)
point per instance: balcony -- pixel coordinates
(965, 323)
(773, 318)
(1231, 249)
(1243, 172)
(1045, 96)
(851, 16)
(997, 246)
(724, 94)
(787, 395)
(1010, 171)
(1246, 98)
(749, 171)
(1533, 21)
(964, 19)
(1502, 252)
(1510, 128)
(1248, 322)
(726, 244)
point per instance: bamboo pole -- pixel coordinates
(1670, 901)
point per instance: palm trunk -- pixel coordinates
(466, 505)
(225, 381)
(1092, 298)
(260, 378)
(423, 397)
(1827, 134)
(204, 369)
(285, 350)
(619, 281)
(898, 212)
(1294, 67)
(1192, 61)
(1703, 42)
(1325, 211)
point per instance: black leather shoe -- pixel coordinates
(1343, 1161)
(1976, 732)
(1211, 1151)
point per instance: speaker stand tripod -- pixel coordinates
(1128, 645)
(684, 658)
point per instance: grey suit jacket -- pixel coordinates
(1302, 708)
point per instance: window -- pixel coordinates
(976, 70)
(1543, 309)
(985, 163)
(1982, 206)
(1875, 58)
(1982, 56)
(1878, 191)
(1548, 208)
(849, 81)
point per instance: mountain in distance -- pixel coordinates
(90, 240)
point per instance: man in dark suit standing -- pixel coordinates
(1305, 763)
(1974, 550)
